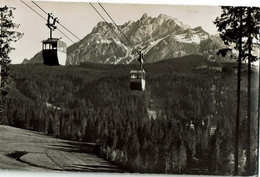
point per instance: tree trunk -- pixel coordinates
(249, 99)
(238, 94)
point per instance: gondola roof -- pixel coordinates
(137, 71)
(51, 40)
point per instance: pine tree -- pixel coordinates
(7, 36)
(237, 25)
(252, 20)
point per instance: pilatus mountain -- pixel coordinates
(159, 38)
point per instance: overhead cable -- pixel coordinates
(40, 7)
(34, 10)
(105, 21)
(117, 26)
(46, 20)
(57, 21)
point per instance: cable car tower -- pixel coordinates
(54, 51)
(137, 76)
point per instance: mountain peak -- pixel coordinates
(25, 61)
(164, 16)
(198, 28)
(145, 16)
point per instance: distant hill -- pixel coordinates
(158, 38)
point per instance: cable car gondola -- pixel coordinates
(54, 51)
(137, 77)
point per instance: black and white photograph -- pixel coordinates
(129, 88)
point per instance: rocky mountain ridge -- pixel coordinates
(158, 38)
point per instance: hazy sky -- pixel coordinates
(80, 18)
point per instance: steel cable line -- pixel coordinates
(66, 36)
(118, 27)
(111, 26)
(46, 20)
(34, 10)
(68, 30)
(57, 21)
(39, 7)
(106, 21)
(137, 52)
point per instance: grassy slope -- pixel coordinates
(28, 150)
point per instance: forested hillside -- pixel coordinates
(93, 103)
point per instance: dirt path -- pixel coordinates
(28, 150)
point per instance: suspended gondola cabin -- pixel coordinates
(137, 79)
(54, 52)
(137, 76)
